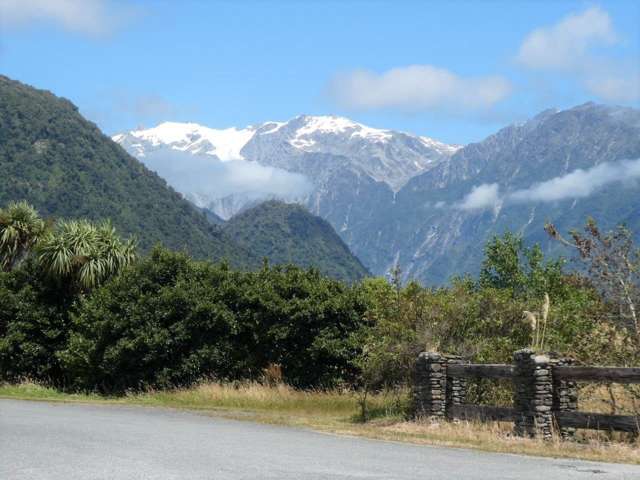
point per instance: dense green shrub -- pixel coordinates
(303, 322)
(34, 326)
(169, 321)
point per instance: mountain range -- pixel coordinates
(408, 200)
(66, 167)
(224, 170)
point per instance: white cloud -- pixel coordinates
(481, 197)
(574, 47)
(92, 17)
(577, 184)
(207, 177)
(566, 44)
(615, 86)
(417, 87)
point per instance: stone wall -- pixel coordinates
(533, 394)
(536, 396)
(429, 386)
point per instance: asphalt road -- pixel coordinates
(48, 441)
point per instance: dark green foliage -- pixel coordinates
(162, 323)
(169, 321)
(288, 233)
(63, 165)
(303, 322)
(34, 326)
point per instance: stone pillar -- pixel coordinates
(456, 390)
(565, 398)
(429, 385)
(533, 397)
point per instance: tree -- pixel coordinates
(20, 229)
(84, 254)
(613, 265)
(509, 264)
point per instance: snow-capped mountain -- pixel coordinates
(187, 137)
(225, 170)
(397, 198)
(384, 155)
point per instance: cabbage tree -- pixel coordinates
(20, 229)
(84, 254)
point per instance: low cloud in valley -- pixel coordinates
(576, 184)
(207, 177)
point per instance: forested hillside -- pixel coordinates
(63, 165)
(288, 233)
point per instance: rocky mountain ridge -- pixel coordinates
(396, 198)
(384, 156)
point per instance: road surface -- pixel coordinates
(47, 441)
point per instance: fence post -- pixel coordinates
(565, 398)
(456, 389)
(533, 396)
(429, 386)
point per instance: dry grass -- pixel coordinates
(252, 396)
(338, 412)
(614, 399)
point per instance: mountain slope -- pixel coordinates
(433, 236)
(288, 233)
(62, 164)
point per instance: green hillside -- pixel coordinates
(288, 233)
(63, 165)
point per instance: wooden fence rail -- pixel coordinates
(598, 421)
(545, 393)
(598, 374)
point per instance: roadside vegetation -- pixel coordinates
(84, 318)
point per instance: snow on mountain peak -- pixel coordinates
(385, 155)
(443, 148)
(194, 138)
(301, 132)
(331, 124)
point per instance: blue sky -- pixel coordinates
(455, 71)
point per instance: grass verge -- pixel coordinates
(339, 412)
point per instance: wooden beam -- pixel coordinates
(598, 421)
(480, 370)
(598, 374)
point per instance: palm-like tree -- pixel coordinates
(84, 254)
(20, 229)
